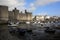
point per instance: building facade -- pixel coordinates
(39, 18)
(3, 13)
(13, 15)
(21, 17)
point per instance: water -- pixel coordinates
(4, 33)
(38, 34)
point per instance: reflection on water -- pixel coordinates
(37, 34)
(3, 32)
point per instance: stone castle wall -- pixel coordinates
(3, 13)
(24, 16)
(14, 15)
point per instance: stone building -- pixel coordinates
(23, 17)
(3, 13)
(13, 15)
(16, 12)
(39, 18)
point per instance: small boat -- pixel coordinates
(12, 29)
(50, 30)
(12, 24)
(23, 31)
(27, 22)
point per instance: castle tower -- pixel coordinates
(3, 13)
(16, 12)
(28, 15)
(25, 11)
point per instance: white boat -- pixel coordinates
(13, 24)
(27, 22)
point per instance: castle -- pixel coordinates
(14, 15)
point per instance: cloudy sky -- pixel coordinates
(37, 7)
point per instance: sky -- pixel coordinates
(37, 7)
